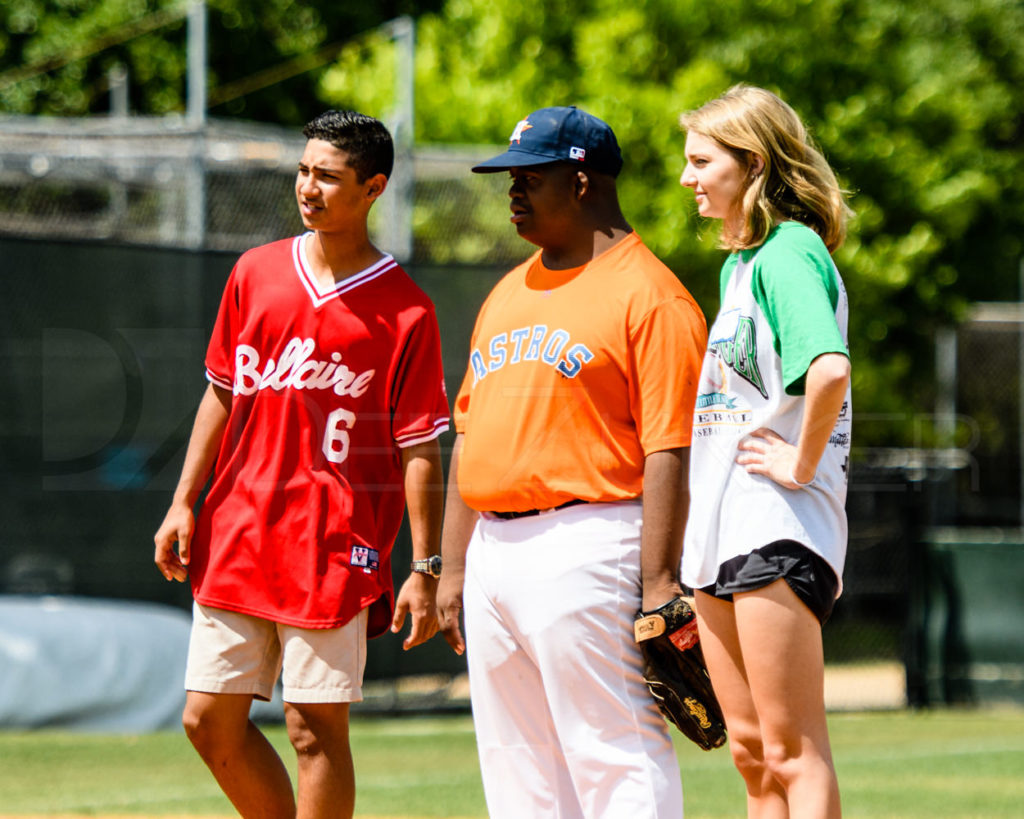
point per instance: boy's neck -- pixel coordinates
(334, 257)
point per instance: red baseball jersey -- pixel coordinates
(328, 384)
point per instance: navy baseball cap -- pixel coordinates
(561, 134)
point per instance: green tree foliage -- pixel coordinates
(916, 103)
(265, 56)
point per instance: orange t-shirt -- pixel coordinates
(575, 376)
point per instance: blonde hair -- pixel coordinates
(796, 182)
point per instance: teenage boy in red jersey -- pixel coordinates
(319, 425)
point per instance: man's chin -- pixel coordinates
(533, 240)
(523, 229)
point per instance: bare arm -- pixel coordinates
(203, 445)
(764, 452)
(459, 522)
(423, 476)
(666, 506)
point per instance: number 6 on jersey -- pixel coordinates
(336, 440)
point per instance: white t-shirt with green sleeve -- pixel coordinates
(783, 304)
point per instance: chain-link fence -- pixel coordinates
(226, 186)
(988, 415)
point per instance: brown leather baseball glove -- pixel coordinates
(675, 672)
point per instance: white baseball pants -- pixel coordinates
(565, 725)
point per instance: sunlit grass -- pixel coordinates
(891, 764)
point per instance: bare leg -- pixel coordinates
(245, 764)
(766, 798)
(327, 780)
(780, 641)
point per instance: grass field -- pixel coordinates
(891, 764)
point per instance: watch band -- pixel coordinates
(430, 565)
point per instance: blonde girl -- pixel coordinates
(766, 538)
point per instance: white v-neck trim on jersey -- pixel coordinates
(320, 294)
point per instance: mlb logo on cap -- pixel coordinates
(577, 153)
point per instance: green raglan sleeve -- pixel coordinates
(728, 267)
(796, 285)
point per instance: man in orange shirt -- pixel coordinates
(567, 494)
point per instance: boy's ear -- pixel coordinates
(375, 185)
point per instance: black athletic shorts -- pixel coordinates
(809, 576)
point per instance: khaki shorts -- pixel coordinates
(232, 653)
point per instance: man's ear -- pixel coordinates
(581, 184)
(375, 186)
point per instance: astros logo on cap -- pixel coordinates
(517, 134)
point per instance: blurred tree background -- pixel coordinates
(265, 56)
(916, 103)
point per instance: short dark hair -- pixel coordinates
(366, 141)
